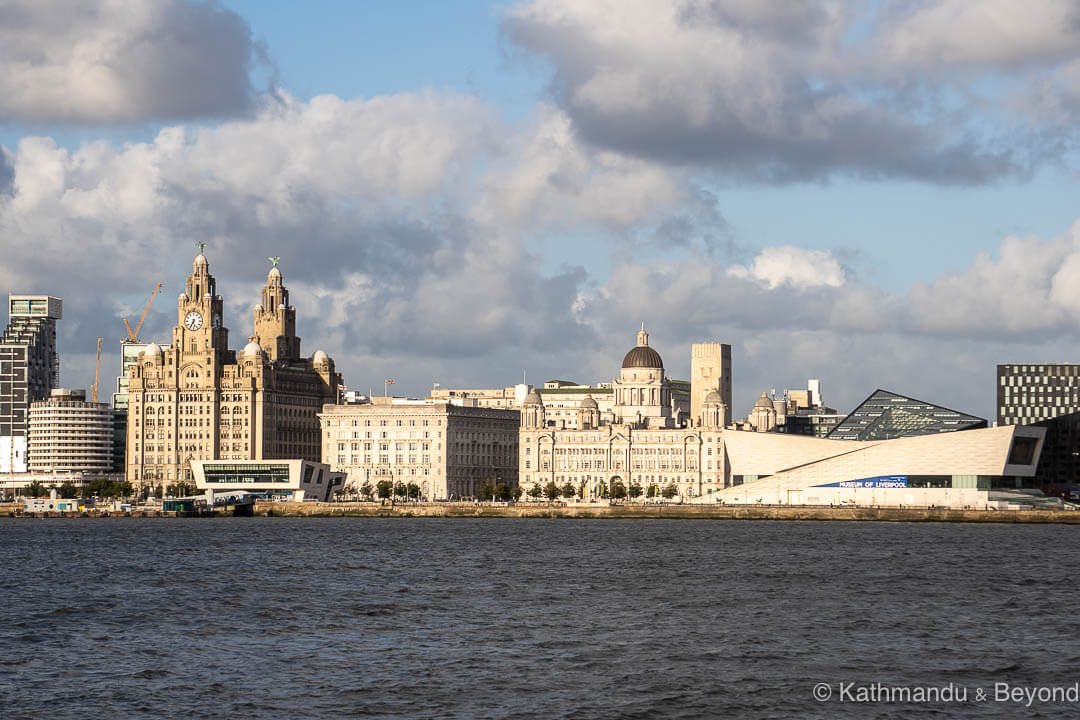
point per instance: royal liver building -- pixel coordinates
(198, 400)
(641, 441)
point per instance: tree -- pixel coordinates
(551, 490)
(568, 491)
(180, 489)
(35, 490)
(618, 490)
(653, 491)
(503, 491)
(366, 490)
(485, 491)
(535, 491)
(602, 489)
(516, 492)
(386, 488)
(670, 491)
(68, 490)
(635, 490)
(339, 494)
(413, 491)
(400, 490)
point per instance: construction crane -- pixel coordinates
(97, 374)
(133, 335)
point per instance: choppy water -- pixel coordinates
(321, 618)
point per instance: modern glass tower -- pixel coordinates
(29, 370)
(885, 415)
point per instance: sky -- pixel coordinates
(878, 195)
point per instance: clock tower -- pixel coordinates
(199, 329)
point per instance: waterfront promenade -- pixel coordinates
(623, 511)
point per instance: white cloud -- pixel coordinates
(122, 61)
(788, 265)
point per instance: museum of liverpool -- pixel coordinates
(952, 469)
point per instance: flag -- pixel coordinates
(389, 382)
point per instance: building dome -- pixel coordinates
(713, 398)
(274, 274)
(200, 261)
(764, 402)
(319, 357)
(643, 356)
(152, 350)
(252, 349)
(533, 398)
(589, 403)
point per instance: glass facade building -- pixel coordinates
(885, 415)
(1028, 394)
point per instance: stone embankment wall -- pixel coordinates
(540, 510)
(718, 512)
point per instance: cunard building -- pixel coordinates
(199, 400)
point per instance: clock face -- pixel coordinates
(193, 321)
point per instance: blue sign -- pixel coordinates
(884, 481)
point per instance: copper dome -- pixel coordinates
(643, 356)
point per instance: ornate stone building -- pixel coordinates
(448, 450)
(638, 443)
(198, 400)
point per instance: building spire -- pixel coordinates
(642, 336)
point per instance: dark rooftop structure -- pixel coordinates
(885, 415)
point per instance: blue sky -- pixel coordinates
(878, 195)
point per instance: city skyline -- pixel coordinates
(877, 198)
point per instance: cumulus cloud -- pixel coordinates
(122, 61)
(797, 267)
(771, 92)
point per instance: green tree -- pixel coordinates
(366, 490)
(618, 490)
(386, 488)
(635, 490)
(400, 490)
(486, 491)
(339, 494)
(517, 492)
(568, 491)
(551, 490)
(35, 490)
(670, 491)
(503, 491)
(536, 491)
(68, 490)
(413, 491)
(653, 491)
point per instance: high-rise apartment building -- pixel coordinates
(67, 434)
(1029, 393)
(29, 370)
(198, 400)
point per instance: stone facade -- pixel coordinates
(198, 400)
(640, 442)
(448, 450)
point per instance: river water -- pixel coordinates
(533, 618)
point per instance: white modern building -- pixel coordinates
(955, 469)
(287, 479)
(67, 434)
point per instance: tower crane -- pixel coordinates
(133, 335)
(97, 374)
